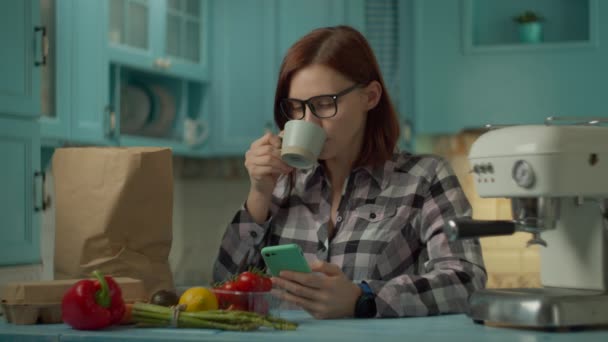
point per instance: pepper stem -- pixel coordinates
(102, 296)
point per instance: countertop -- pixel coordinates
(446, 328)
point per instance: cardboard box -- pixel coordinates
(40, 301)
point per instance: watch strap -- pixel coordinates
(365, 307)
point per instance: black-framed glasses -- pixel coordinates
(322, 106)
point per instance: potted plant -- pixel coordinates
(530, 27)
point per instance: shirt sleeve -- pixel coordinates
(240, 245)
(454, 268)
(244, 238)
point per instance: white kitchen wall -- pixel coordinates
(207, 195)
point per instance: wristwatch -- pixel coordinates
(366, 303)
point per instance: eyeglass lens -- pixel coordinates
(321, 106)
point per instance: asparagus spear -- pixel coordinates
(155, 315)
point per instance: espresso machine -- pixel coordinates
(556, 176)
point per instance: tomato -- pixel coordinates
(247, 282)
(265, 284)
(224, 298)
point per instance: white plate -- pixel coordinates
(166, 111)
(134, 109)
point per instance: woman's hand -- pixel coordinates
(327, 294)
(264, 164)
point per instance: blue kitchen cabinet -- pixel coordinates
(22, 55)
(124, 50)
(470, 70)
(244, 73)
(74, 92)
(56, 18)
(168, 37)
(92, 118)
(250, 39)
(21, 197)
(296, 18)
(21, 62)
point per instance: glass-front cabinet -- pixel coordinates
(22, 55)
(163, 36)
(129, 24)
(22, 58)
(184, 30)
(55, 73)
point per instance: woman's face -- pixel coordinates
(346, 129)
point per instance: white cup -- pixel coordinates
(195, 132)
(302, 143)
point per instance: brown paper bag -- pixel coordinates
(114, 210)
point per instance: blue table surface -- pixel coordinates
(451, 328)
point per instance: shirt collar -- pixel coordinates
(380, 174)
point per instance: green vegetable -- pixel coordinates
(164, 298)
(527, 17)
(150, 315)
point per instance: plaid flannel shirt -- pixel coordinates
(389, 233)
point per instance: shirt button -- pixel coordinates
(372, 216)
(339, 219)
(253, 234)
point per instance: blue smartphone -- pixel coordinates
(287, 257)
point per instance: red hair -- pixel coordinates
(346, 51)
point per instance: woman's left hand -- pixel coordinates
(325, 293)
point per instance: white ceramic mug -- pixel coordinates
(302, 143)
(195, 132)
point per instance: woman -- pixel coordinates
(368, 219)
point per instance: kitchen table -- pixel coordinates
(448, 328)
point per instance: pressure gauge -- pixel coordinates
(523, 174)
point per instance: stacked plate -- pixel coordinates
(146, 110)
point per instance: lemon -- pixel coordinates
(198, 299)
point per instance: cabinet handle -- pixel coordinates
(163, 63)
(111, 121)
(45, 200)
(44, 45)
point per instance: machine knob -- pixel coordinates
(523, 174)
(465, 228)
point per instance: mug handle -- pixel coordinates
(204, 132)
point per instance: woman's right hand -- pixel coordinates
(264, 164)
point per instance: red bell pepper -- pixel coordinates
(93, 304)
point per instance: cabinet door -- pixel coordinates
(296, 17)
(91, 115)
(19, 222)
(21, 56)
(243, 75)
(185, 36)
(164, 36)
(129, 25)
(56, 18)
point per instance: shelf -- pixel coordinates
(488, 25)
(153, 110)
